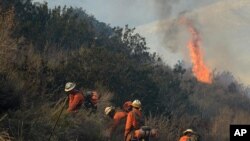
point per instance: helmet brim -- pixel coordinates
(70, 88)
(188, 131)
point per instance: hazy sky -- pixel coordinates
(132, 12)
(224, 26)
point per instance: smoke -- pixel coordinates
(175, 36)
(164, 7)
(226, 41)
(224, 28)
(172, 35)
(169, 28)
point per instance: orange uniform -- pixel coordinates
(118, 117)
(133, 122)
(184, 138)
(75, 101)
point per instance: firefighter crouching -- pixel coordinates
(91, 100)
(76, 98)
(119, 117)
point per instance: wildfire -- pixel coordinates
(200, 70)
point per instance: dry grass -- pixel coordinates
(38, 78)
(4, 136)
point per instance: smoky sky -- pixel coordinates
(174, 10)
(224, 31)
(163, 8)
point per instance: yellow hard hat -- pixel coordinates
(136, 103)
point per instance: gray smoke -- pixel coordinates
(224, 29)
(169, 29)
(164, 7)
(172, 10)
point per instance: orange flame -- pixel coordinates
(200, 70)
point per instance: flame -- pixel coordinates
(200, 70)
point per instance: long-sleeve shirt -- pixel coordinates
(184, 138)
(75, 101)
(118, 118)
(132, 122)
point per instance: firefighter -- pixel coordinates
(134, 121)
(189, 135)
(119, 119)
(75, 97)
(91, 100)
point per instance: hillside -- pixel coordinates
(41, 49)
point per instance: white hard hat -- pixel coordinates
(188, 131)
(136, 103)
(108, 110)
(69, 86)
